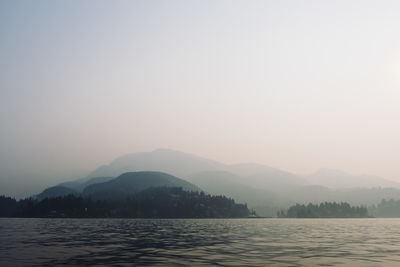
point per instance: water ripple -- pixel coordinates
(193, 242)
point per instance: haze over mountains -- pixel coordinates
(338, 179)
(130, 183)
(257, 175)
(170, 161)
(264, 188)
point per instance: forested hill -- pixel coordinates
(155, 202)
(134, 182)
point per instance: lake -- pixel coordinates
(196, 242)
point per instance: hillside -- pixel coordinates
(133, 182)
(80, 184)
(264, 188)
(56, 191)
(231, 185)
(186, 166)
(339, 179)
(164, 160)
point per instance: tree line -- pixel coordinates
(386, 208)
(162, 202)
(324, 210)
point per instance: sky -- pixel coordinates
(297, 85)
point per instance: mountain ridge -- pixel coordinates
(130, 183)
(338, 179)
(256, 184)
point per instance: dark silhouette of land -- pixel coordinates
(158, 202)
(265, 189)
(324, 210)
(386, 208)
(146, 194)
(334, 202)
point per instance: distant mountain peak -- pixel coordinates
(331, 171)
(166, 160)
(167, 150)
(334, 178)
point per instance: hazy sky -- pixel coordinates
(296, 85)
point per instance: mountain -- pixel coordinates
(56, 191)
(264, 188)
(80, 184)
(265, 177)
(186, 166)
(338, 179)
(230, 185)
(163, 160)
(131, 183)
(249, 169)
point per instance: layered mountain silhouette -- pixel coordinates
(232, 185)
(339, 179)
(134, 182)
(174, 162)
(186, 165)
(56, 191)
(80, 184)
(71, 188)
(125, 185)
(262, 187)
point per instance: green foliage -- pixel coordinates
(324, 210)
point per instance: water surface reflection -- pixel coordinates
(188, 242)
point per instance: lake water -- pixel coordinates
(196, 242)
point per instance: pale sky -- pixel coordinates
(297, 85)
